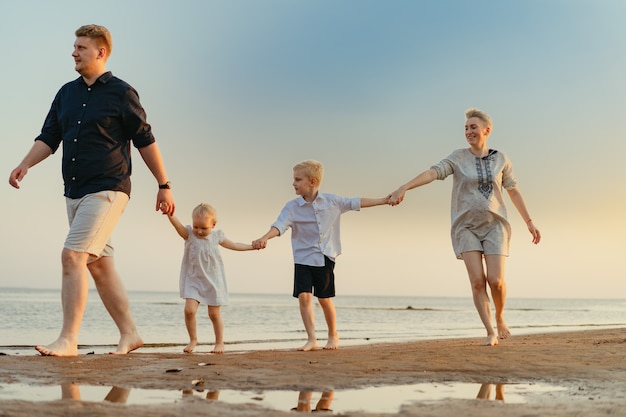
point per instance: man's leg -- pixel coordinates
(74, 292)
(115, 299)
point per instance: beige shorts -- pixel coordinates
(92, 219)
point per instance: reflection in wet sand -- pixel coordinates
(484, 393)
(71, 391)
(304, 402)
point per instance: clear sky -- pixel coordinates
(237, 92)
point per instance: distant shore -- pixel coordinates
(591, 365)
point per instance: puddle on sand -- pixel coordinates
(383, 399)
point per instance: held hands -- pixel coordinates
(259, 244)
(396, 197)
(165, 202)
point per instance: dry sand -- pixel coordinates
(590, 365)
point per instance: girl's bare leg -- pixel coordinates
(331, 320)
(218, 328)
(191, 308)
(308, 318)
(478, 281)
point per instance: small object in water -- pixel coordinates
(197, 382)
(205, 364)
(174, 370)
(91, 353)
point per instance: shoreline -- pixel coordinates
(587, 363)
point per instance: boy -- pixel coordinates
(314, 220)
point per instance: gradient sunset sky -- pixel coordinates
(237, 92)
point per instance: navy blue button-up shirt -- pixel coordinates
(96, 125)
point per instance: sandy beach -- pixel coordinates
(589, 366)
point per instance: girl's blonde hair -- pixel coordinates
(469, 113)
(312, 169)
(203, 209)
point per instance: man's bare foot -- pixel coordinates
(503, 330)
(60, 347)
(191, 346)
(218, 348)
(127, 344)
(491, 340)
(310, 345)
(333, 343)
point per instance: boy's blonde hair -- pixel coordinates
(469, 113)
(203, 209)
(99, 33)
(312, 169)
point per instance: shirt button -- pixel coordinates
(73, 159)
(84, 104)
(73, 178)
(79, 122)
(75, 139)
(88, 88)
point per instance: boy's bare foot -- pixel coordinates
(310, 345)
(127, 344)
(491, 340)
(60, 347)
(333, 343)
(503, 330)
(191, 346)
(218, 348)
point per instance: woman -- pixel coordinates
(480, 229)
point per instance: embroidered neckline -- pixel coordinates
(485, 180)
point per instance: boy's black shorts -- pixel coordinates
(320, 280)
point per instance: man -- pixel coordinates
(96, 117)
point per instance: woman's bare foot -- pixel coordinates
(218, 348)
(191, 346)
(127, 344)
(491, 340)
(333, 343)
(60, 347)
(503, 330)
(310, 345)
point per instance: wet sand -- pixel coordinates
(590, 365)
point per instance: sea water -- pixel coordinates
(272, 321)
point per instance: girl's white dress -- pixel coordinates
(202, 275)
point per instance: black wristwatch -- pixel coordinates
(165, 186)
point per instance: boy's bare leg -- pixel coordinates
(114, 297)
(191, 308)
(495, 277)
(331, 320)
(308, 318)
(478, 281)
(74, 293)
(218, 328)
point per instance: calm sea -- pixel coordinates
(271, 321)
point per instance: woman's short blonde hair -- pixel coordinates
(312, 169)
(469, 113)
(203, 209)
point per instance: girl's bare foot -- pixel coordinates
(60, 347)
(218, 348)
(333, 343)
(191, 346)
(310, 345)
(127, 344)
